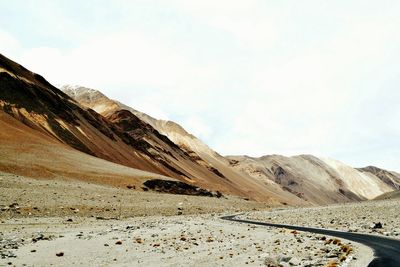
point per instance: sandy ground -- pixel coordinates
(95, 225)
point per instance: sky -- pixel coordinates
(252, 77)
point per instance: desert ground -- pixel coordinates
(188, 240)
(64, 223)
(370, 217)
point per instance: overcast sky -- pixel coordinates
(247, 77)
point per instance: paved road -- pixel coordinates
(386, 250)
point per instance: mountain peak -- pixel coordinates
(77, 91)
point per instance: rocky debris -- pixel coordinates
(101, 218)
(139, 240)
(8, 245)
(13, 207)
(270, 262)
(60, 254)
(377, 225)
(294, 262)
(371, 217)
(5, 254)
(41, 236)
(283, 258)
(177, 187)
(184, 240)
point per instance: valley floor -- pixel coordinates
(64, 223)
(370, 217)
(189, 240)
(26, 197)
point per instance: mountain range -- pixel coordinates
(73, 132)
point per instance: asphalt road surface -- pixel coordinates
(386, 250)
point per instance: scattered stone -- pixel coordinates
(60, 254)
(283, 258)
(294, 262)
(7, 254)
(14, 206)
(377, 225)
(270, 262)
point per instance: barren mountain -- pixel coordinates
(85, 135)
(315, 180)
(192, 146)
(389, 177)
(26, 151)
(28, 100)
(97, 101)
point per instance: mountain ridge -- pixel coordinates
(335, 173)
(29, 99)
(87, 124)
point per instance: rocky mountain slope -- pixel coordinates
(97, 101)
(82, 134)
(313, 179)
(28, 100)
(389, 177)
(29, 152)
(194, 147)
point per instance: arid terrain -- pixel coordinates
(73, 198)
(86, 180)
(171, 241)
(96, 225)
(380, 217)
